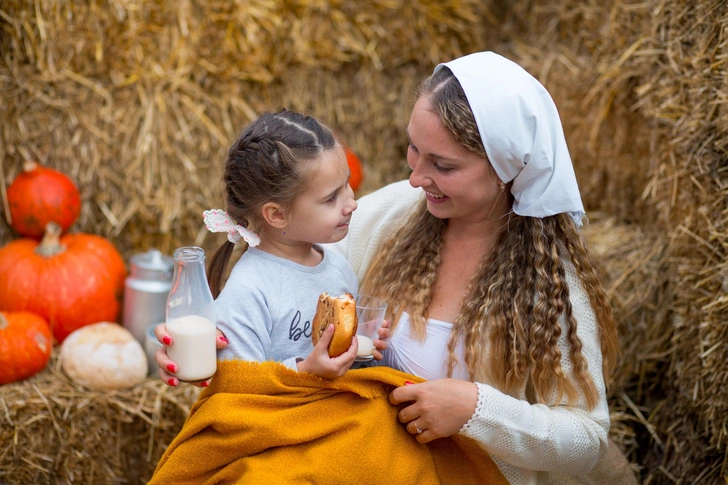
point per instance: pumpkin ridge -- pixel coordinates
(63, 269)
(104, 250)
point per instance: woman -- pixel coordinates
(492, 295)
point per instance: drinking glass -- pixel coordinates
(370, 314)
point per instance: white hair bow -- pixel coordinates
(217, 220)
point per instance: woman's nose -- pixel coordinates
(417, 177)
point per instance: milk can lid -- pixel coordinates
(152, 260)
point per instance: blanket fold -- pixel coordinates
(264, 423)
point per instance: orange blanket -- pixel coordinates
(265, 424)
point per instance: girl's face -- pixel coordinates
(321, 213)
(458, 184)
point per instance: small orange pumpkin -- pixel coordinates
(357, 174)
(71, 281)
(25, 345)
(39, 195)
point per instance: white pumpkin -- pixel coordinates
(103, 356)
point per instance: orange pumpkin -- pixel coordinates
(39, 195)
(25, 345)
(357, 174)
(71, 281)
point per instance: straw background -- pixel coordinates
(138, 102)
(643, 91)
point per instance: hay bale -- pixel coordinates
(578, 50)
(642, 90)
(639, 284)
(139, 101)
(142, 199)
(636, 273)
(55, 431)
(685, 89)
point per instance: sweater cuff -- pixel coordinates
(488, 416)
(467, 428)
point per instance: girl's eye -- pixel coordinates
(412, 147)
(442, 169)
(332, 198)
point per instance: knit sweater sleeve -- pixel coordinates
(555, 437)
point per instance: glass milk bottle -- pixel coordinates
(190, 317)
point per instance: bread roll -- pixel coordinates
(341, 311)
(104, 356)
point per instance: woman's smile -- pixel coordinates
(436, 198)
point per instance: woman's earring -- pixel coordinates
(502, 186)
(283, 231)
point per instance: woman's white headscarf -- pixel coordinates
(522, 134)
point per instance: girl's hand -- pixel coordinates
(167, 368)
(318, 361)
(379, 344)
(438, 408)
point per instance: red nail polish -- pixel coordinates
(170, 368)
(167, 340)
(224, 339)
(171, 382)
(408, 383)
(204, 384)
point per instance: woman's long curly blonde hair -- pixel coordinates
(518, 295)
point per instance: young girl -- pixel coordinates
(287, 179)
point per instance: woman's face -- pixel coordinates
(458, 183)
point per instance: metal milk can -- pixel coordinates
(145, 291)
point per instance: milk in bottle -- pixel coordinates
(190, 317)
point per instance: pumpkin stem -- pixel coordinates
(51, 244)
(29, 165)
(3, 322)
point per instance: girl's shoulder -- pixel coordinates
(250, 273)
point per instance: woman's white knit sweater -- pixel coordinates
(532, 443)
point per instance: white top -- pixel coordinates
(531, 443)
(426, 358)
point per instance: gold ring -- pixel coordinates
(417, 427)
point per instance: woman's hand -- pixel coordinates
(318, 361)
(379, 344)
(436, 409)
(167, 368)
